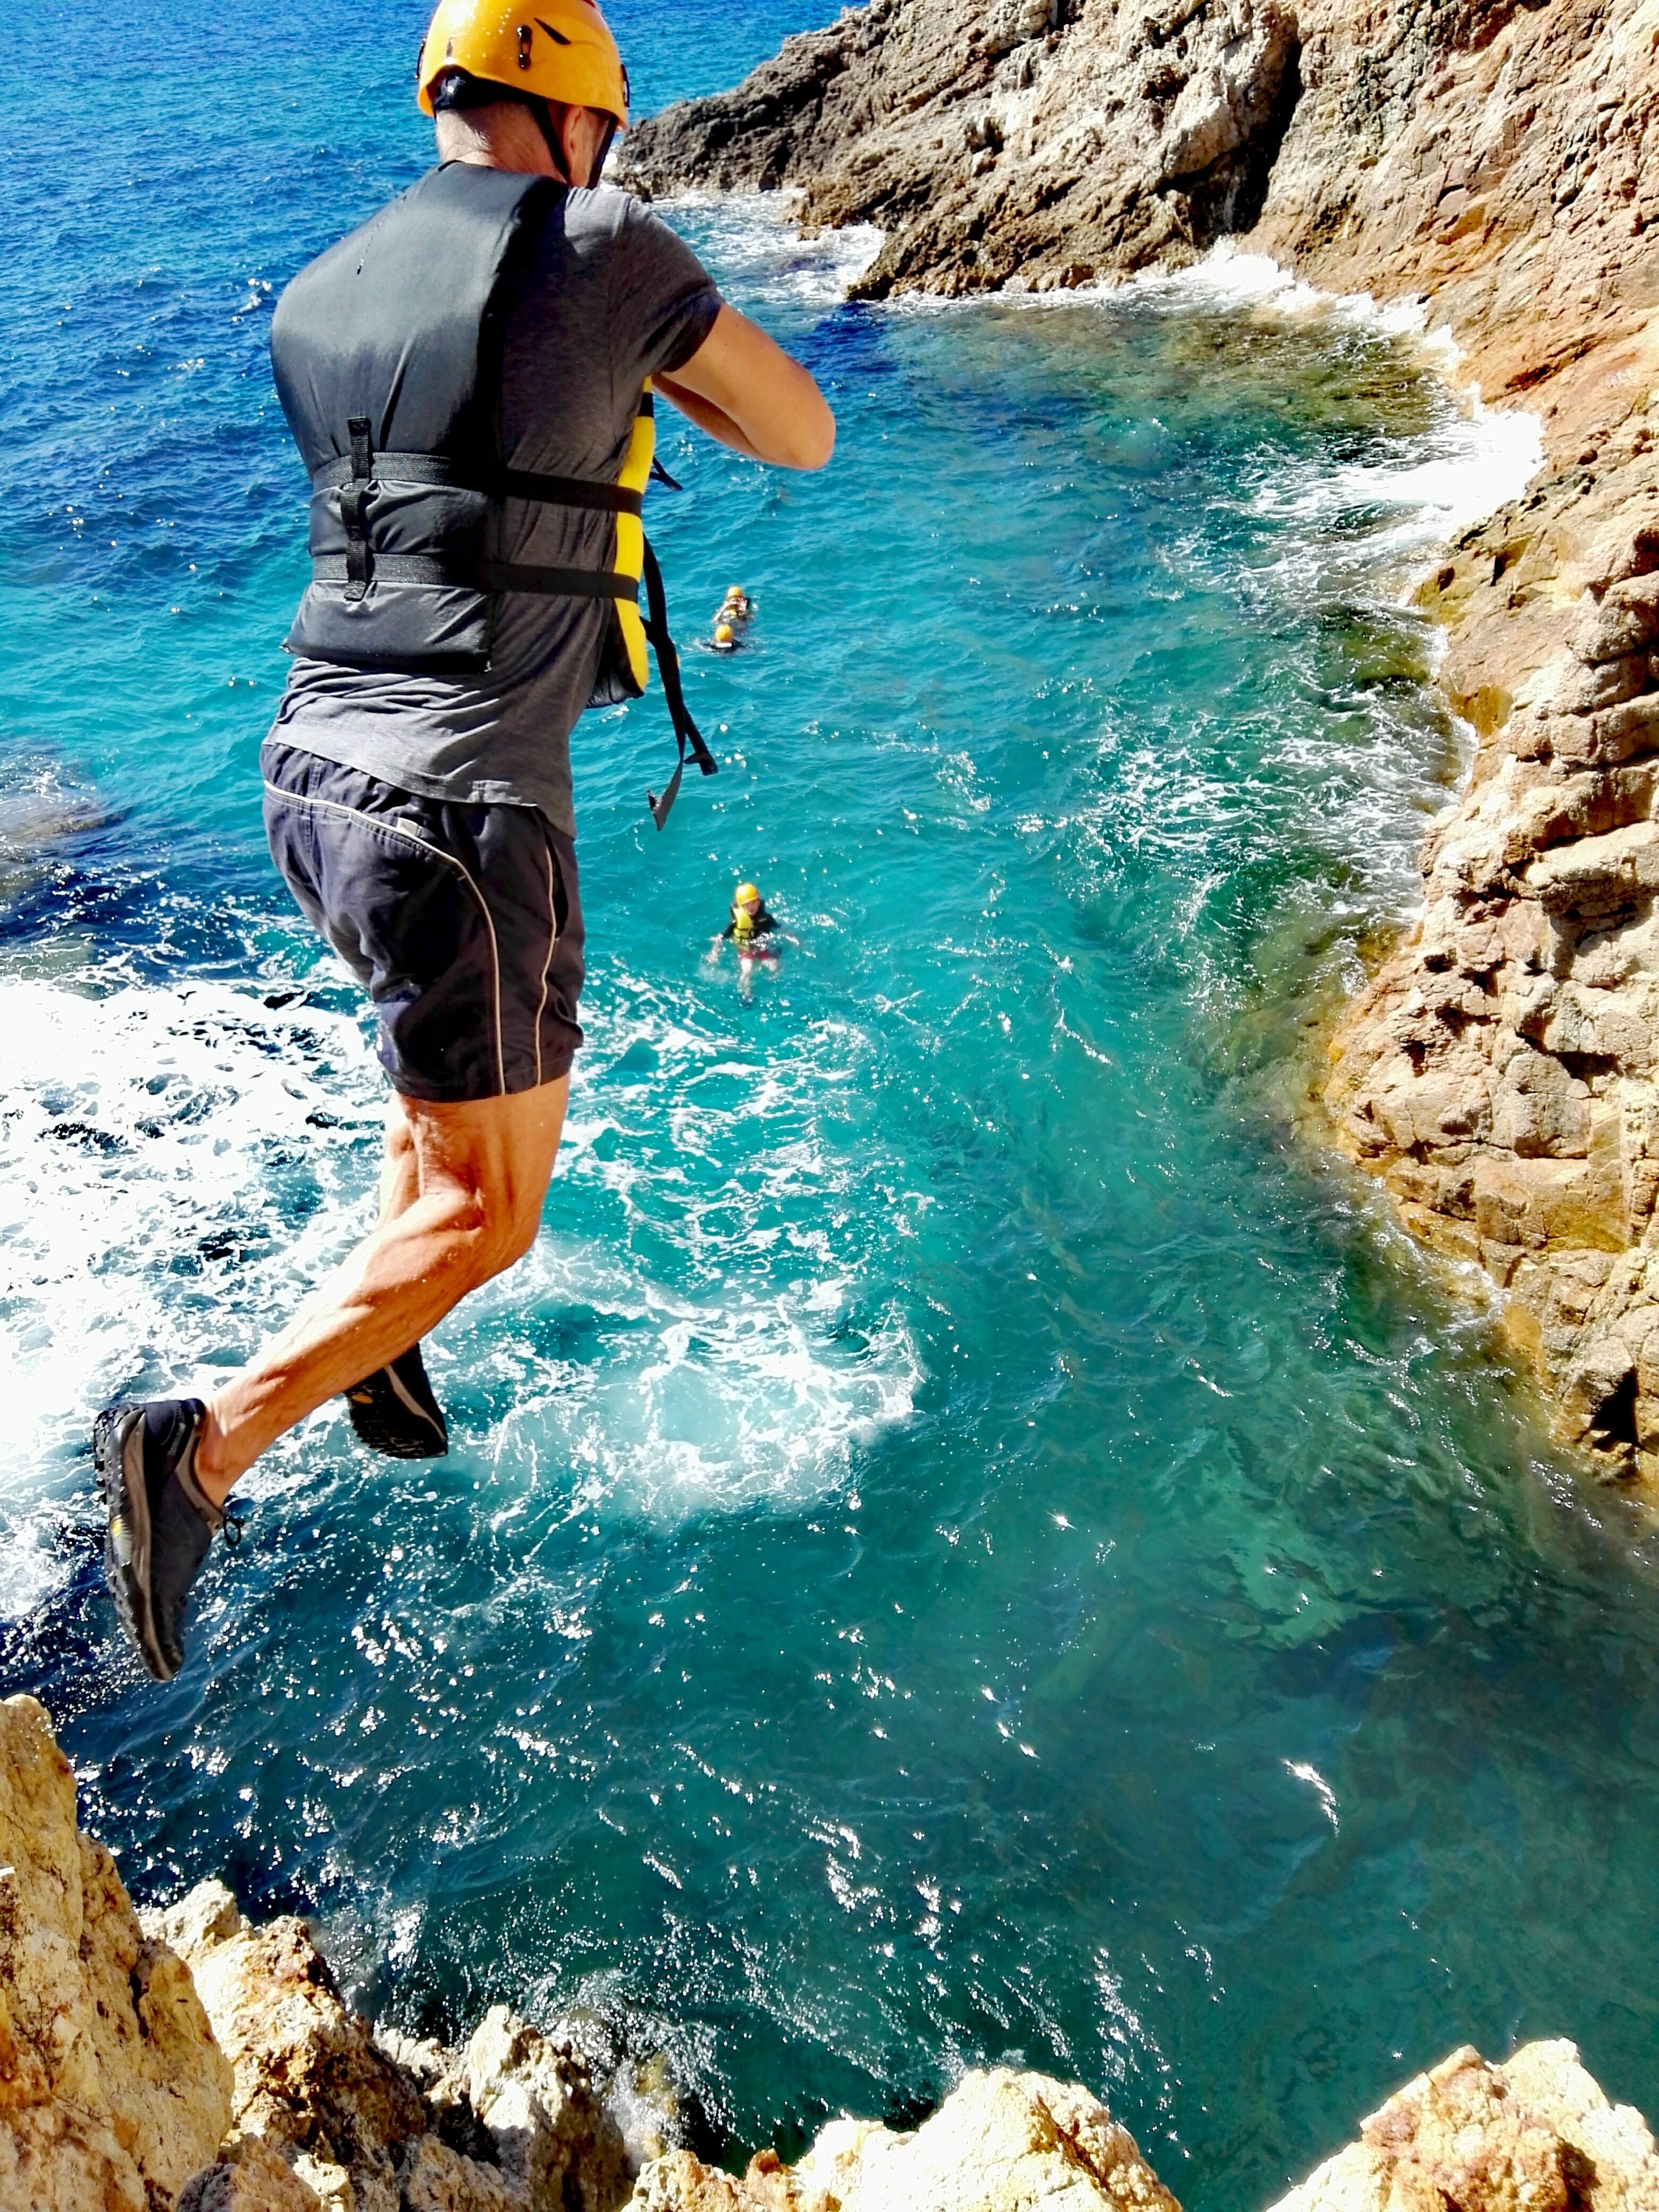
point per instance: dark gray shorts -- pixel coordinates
(464, 923)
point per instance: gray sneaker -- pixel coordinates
(161, 1523)
(395, 1412)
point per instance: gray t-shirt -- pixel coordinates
(608, 297)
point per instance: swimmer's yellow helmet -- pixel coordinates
(746, 894)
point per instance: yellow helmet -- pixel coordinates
(745, 892)
(552, 49)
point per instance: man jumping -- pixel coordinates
(468, 377)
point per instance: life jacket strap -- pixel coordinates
(355, 475)
(480, 576)
(503, 483)
(687, 735)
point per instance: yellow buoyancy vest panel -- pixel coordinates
(629, 559)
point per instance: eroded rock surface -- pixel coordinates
(1501, 160)
(1001, 2141)
(1535, 2135)
(1004, 141)
(112, 2090)
(512, 2124)
(1501, 1073)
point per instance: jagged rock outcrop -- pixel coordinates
(1500, 1076)
(182, 2061)
(1001, 2141)
(112, 2090)
(1501, 1073)
(511, 2124)
(1534, 2135)
(1003, 142)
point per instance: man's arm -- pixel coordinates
(747, 392)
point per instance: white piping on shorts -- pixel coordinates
(400, 829)
(547, 965)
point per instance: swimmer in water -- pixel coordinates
(750, 920)
(749, 927)
(732, 618)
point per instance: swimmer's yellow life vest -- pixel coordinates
(396, 324)
(743, 923)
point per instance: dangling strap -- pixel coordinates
(686, 732)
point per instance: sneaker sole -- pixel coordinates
(378, 1426)
(118, 1448)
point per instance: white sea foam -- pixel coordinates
(757, 243)
(1416, 495)
(178, 1167)
(147, 1139)
(736, 1362)
(701, 1402)
(1423, 492)
(1229, 278)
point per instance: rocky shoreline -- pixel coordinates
(1498, 1075)
(183, 2061)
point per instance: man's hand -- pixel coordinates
(747, 392)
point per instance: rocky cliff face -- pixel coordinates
(112, 2091)
(194, 2063)
(1535, 2132)
(1502, 161)
(189, 2063)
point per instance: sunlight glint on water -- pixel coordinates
(965, 1541)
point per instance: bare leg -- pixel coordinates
(399, 1182)
(461, 1195)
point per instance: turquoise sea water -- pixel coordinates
(968, 1539)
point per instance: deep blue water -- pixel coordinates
(969, 1538)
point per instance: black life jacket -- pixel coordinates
(386, 350)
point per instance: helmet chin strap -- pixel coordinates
(543, 111)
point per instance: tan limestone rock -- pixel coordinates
(248, 2176)
(384, 2124)
(557, 2146)
(433, 2178)
(308, 2078)
(112, 2087)
(1535, 2135)
(1001, 2141)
